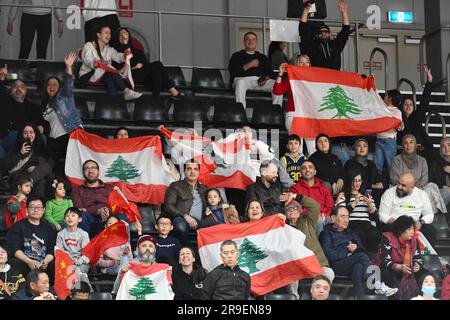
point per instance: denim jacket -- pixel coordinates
(65, 108)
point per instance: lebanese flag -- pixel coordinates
(337, 103)
(135, 165)
(424, 245)
(225, 163)
(113, 236)
(271, 252)
(65, 276)
(119, 204)
(141, 282)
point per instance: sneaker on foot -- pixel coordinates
(382, 289)
(132, 95)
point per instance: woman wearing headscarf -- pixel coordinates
(440, 170)
(410, 161)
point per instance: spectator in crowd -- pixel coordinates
(59, 108)
(29, 158)
(386, 144)
(94, 18)
(37, 287)
(56, 207)
(95, 56)
(38, 21)
(344, 250)
(185, 201)
(11, 280)
(329, 167)
(112, 259)
(324, 51)
(294, 158)
(250, 69)
(92, 197)
(167, 246)
(407, 199)
(399, 258)
(427, 285)
(16, 206)
(367, 167)
(313, 187)
(188, 277)
(73, 240)
(17, 110)
(31, 241)
(320, 288)
(276, 54)
(254, 210)
(410, 161)
(227, 281)
(268, 189)
(440, 170)
(121, 133)
(146, 73)
(361, 206)
(221, 211)
(445, 289)
(414, 116)
(81, 293)
(306, 223)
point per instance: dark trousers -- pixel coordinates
(29, 25)
(182, 229)
(93, 225)
(111, 20)
(113, 82)
(427, 229)
(369, 235)
(154, 75)
(23, 268)
(355, 266)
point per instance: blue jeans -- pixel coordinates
(6, 143)
(94, 224)
(445, 196)
(355, 266)
(181, 228)
(343, 152)
(385, 152)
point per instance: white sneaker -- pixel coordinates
(382, 289)
(132, 95)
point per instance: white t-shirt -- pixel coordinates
(392, 133)
(56, 129)
(101, 4)
(421, 298)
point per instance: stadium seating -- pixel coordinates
(433, 264)
(82, 106)
(230, 112)
(177, 76)
(150, 110)
(280, 296)
(19, 67)
(206, 79)
(188, 111)
(110, 109)
(46, 69)
(267, 116)
(100, 296)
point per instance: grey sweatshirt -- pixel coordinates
(73, 242)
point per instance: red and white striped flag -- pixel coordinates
(223, 164)
(135, 165)
(272, 252)
(337, 103)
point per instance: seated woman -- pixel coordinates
(362, 210)
(428, 285)
(440, 170)
(410, 161)
(399, 258)
(329, 167)
(97, 57)
(254, 210)
(188, 277)
(29, 158)
(59, 108)
(144, 72)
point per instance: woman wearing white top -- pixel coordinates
(428, 282)
(98, 52)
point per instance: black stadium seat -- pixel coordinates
(177, 76)
(148, 220)
(207, 79)
(265, 115)
(150, 110)
(110, 109)
(81, 104)
(432, 263)
(20, 67)
(441, 226)
(372, 297)
(100, 296)
(280, 296)
(229, 112)
(46, 69)
(189, 110)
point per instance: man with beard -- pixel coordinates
(407, 199)
(92, 197)
(269, 190)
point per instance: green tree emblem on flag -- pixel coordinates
(122, 169)
(250, 255)
(215, 158)
(339, 100)
(142, 288)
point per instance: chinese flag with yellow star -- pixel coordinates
(65, 277)
(113, 236)
(119, 204)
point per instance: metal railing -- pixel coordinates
(447, 79)
(422, 48)
(413, 89)
(441, 118)
(386, 65)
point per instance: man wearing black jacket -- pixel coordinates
(322, 50)
(227, 281)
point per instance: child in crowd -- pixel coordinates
(73, 239)
(113, 258)
(167, 247)
(220, 211)
(292, 160)
(16, 206)
(56, 208)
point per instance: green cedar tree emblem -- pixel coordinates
(339, 100)
(142, 288)
(122, 169)
(250, 254)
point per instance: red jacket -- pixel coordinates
(318, 192)
(92, 199)
(282, 88)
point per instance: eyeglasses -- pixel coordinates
(33, 208)
(164, 224)
(90, 168)
(292, 209)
